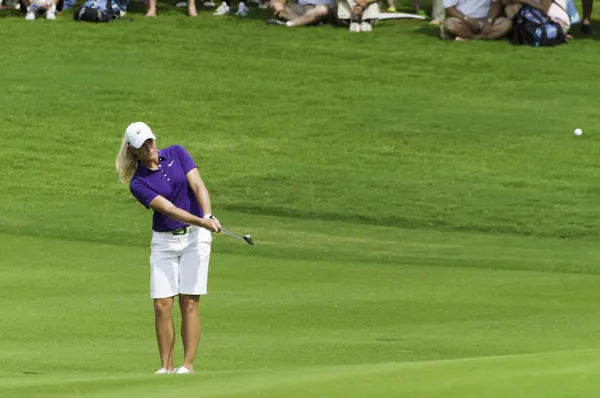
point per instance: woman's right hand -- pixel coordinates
(209, 224)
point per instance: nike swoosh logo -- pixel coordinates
(170, 163)
(139, 131)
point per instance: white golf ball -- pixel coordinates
(578, 132)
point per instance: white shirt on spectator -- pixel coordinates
(558, 13)
(471, 8)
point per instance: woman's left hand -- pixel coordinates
(215, 220)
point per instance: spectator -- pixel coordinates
(303, 13)
(474, 20)
(391, 6)
(554, 9)
(357, 15)
(586, 26)
(225, 8)
(37, 8)
(192, 11)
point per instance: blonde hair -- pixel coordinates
(126, 163)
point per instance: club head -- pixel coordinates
(248, 239)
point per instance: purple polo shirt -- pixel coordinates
(169, 181)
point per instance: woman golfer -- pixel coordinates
(167, 181)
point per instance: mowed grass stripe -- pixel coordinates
(556, 374)
(91, 312)
(284, 238)
(276, 125)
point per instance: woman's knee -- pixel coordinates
(188, 303)
(163, 306)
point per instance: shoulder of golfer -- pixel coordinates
(184, 173)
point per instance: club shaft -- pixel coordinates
(226, 232)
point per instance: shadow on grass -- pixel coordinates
(577, 35)
(429, 30)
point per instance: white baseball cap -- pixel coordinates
(137, 133)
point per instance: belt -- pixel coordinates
(181, 231)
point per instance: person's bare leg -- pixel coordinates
(511, 10)
(391, 4)
(151, 9)
(458, 29)
(587, 6)
(496, 31)
(192, 11)
(311, 17)
(165, 332)
(190, 328)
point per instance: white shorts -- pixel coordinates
(179, 263)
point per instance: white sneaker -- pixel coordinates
(50, 14)
(366, 27)
(263, 6)
(162, 371)
(30, 16)
(209, 4)
(222, 10)
(354, 27)
(181, 4)
(242, 10)
(182, 370)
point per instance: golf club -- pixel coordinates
(245, 238)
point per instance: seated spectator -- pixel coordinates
(556, 10)
(302, 13)
(357, 15)
(36, 8)
(474, 20)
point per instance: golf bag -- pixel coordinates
(101, 10)
(346, 12)
(532, 27)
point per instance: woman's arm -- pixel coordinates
(197, 186)
(164, 206)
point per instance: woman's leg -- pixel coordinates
(190, 328)
(165, 332)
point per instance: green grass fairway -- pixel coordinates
(321, 327)
(425, 221)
